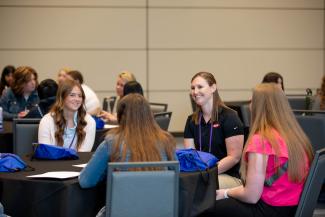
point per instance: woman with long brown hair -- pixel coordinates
(275, 162)
(138, 138)
(215, 128)
(22, 95)
(67, 124)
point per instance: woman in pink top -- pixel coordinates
(275, 139)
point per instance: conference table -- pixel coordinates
(22, 196)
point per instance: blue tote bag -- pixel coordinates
(52, 152)
(191, 160)
(11, 163)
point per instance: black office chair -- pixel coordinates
(246, 114)
(312, 187)
(99, 138)
(320, 113)
(314, 127)
(163, 119)
(109, 103)
(25, 133)
(158, 107)
(142, 193)
(297, 102)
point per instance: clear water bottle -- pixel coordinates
(1, 119)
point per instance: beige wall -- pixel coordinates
(165, 42)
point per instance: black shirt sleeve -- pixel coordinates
(189, 128)
(232, 126)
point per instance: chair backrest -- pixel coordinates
(246, 114)
(163, 119)
(320, 113)
(142, 193)
(108, 103)
(312, 187)
(314, 127)
(25, 133)
(239, 107)
(99, 138)
(298, 102)
(158, 107)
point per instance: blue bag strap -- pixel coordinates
(268, 182)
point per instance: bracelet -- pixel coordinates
(225, 194)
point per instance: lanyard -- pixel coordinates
(73, 139)
(200, 136)
(40, 111)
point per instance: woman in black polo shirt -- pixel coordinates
(215, 128)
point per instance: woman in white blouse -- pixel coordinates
(67, 124)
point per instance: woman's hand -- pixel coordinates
(220, 194)
(108, 116)
(23, 113)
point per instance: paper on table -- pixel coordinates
(80, 165)
(57, 175)
(110, 126)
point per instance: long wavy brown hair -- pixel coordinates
(57, 112)
(217, 102)
(138, 133)
(322, 97)
(271, 111)
(22, 76)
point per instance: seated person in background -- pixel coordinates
(6, 78)
(132, 87)
(129, 142)
(215, 128)
(275, 139)
(22, 96)
(91, 102)
(67, 124)
(123, 78)
(62, 74)
(46, 92)
(319, 100)
(129, 87)
(274, 77)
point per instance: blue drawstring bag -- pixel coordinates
(191, 160)
(99, 122)
(11, 163)
(52, 152)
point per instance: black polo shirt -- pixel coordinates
(228, 125)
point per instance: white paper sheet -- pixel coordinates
(57, 175)
(110, 126)
(80, 165)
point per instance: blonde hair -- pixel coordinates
(127, 76)
(65, 69)
(271, 111)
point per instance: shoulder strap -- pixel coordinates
(268, 182)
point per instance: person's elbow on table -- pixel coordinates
(85, 183)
